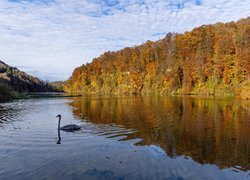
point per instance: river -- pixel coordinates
(126, 137)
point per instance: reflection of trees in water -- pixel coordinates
(208, 130)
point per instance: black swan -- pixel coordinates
(69, 127)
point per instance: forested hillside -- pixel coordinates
(209, 60)
(20, 81)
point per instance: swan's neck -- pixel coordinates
(59, 122)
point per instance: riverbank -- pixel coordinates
(49, 95)
(220, 91)
(8, 94)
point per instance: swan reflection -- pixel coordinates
(59, 137)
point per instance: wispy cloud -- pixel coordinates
(55, 36)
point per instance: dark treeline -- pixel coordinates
(7, 93)
(209, 60)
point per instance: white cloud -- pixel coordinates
(54, 37)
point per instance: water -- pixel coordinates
(126, 138)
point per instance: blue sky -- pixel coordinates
(49, 38)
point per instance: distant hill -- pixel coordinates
(58, 85)
(209, 60)
(22, 82)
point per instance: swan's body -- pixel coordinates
(69, 127)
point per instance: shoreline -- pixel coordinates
(65, 95)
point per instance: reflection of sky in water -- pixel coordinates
(30, 151)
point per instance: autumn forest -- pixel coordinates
(209, 60)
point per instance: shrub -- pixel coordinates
(7, 93)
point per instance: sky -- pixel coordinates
(49, 38)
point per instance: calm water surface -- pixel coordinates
(126, 138)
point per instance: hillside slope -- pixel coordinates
(20, 81)
(209, 60)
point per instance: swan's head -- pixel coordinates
(59, 116)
